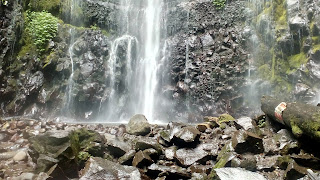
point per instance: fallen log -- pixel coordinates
(303, 119)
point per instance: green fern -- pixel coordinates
(42, 27)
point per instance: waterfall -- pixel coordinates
(149, 61)
(134, 63)
(68, 99)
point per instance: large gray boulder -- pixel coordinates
(98, 168)
(238, 173)
(138, 125)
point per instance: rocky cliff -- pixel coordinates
(218, 60)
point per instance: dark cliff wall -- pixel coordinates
(209, 55)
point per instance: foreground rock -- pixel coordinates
(98, 168)
(175, 151)
(240, 174)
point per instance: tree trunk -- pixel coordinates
(303, 119)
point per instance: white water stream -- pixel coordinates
(133, 89)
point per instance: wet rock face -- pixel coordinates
(207, 60)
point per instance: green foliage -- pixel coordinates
(219, 4)
(42, 27)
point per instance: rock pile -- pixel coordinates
(223, 148)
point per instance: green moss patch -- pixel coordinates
(52, 6)
(297, 60)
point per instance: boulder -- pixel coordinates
(246, 161)
(170, 152)
(138, 125)
(237, 173)
(245, 123)
(294, 171)
(187, 157)
(225, 155)
(98, 168)
(245, 142)
(141, 159)
(127, 158)
(266, 163)
(186, 136)
(172, 172)
(117, 148)
(20, 156)
(142, 143)
(287, 143)
(52, 142)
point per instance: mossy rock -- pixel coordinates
(86, 143)
(52, 6)
(284, 161)
(224, 118)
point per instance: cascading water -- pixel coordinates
(134, 62)
(68, 99)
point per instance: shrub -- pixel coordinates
(42, 27)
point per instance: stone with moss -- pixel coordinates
(52, 6)
(224, 118)
(85, 143)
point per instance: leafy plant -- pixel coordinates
(219, 4)
(42, 27)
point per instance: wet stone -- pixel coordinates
(266, 163)
(187, 136)
(20, 156)
(116, 147)
(288, 144)
(245, 142)
(187, 157)
(146, 143)
(170, 152)
(294, 171)
(270, 146)
(245, 123)
(3, 137)
(171, 172)
(138, 125)
(127, 158)
(165, 135)
(204, 126)
(198, 168)
(98, 168)
(225, 155)
(152, 153)
(141, 159)
(231, 173)
(246, 161)
(307, 160)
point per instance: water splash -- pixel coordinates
(135, 62)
